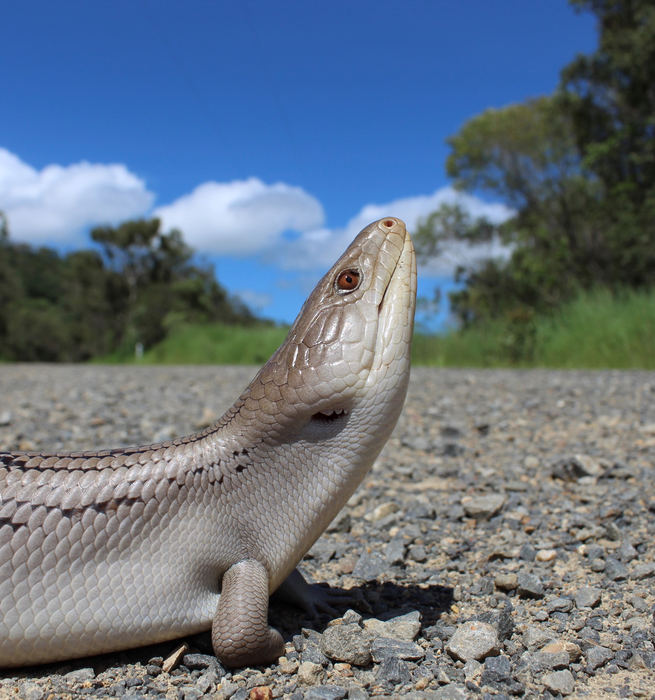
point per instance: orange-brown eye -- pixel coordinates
(348, 280)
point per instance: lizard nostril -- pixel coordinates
(389, 223)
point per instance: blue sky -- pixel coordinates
(269, 132)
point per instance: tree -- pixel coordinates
(162, 285)
(610, 98)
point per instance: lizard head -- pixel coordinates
(350, 345)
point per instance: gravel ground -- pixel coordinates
(502, 545)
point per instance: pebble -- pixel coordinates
(491, 478)
(587, 597)
(474, 640)
(347, 643)
(559, 682)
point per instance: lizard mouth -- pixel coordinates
(330, 415)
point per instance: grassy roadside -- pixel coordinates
(595, 331)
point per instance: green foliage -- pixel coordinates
(578, 168)
(595, 330)
(87, 303)
(200, 344)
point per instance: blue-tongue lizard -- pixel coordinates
(108, 550)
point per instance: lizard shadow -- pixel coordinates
(372, 599)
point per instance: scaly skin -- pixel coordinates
(102, 551)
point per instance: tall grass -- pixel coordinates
(596, 330)
(211, 344)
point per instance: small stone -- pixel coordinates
(559, 605)
(5, 418)
(546, 555)
(30, 691)
(536, 637)
(347, 643)
(357, 693)
(394, 552)
(587, 597)
(472, 669)
(326, 692)
(81, 675)
(370, 566)
(531, 462)
(626, 552)
(226, 690)
(497, 669)
(393, 671)
(382, 647)
(382, 511)
(453, 691)
(529, 586)
(474, 640)
(642, 571)
(545, 661)
(502, 621)
(527, 553)
(484, 507)
(598, 656)
(559, 682)
(573, 650)
(403, 626)
(310, 673)
(598, 565)
(506, 582)
(418, 553)
(261, 692)
(615, 570)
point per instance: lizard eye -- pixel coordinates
(347, 281)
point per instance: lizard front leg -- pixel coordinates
(240, 632)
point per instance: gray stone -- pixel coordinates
(559, 682)
(529, 586)
(484, 507)
(418, 553)
(393, 671)
(382, 647)
(615, 570)
(598, 656)
(394, 552)
(5, 418)
(30, 691)
(626, 552)
(559, 605)
(370, 566)
(453, 691)
(536, 637)
(587, 597)
(81, 675)
(474, 640)
(312, 654)
(347, 643)
(527, 553)
(357, 693)
(642, 571)
(497, 669)
(598, 565)
(326, 692)
(502, 620)
(543, 661)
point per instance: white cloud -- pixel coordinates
(242, 217)
(321, 247)
(256, 300)
(57, 203)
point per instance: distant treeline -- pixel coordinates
(134, 288)
(578, 169)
